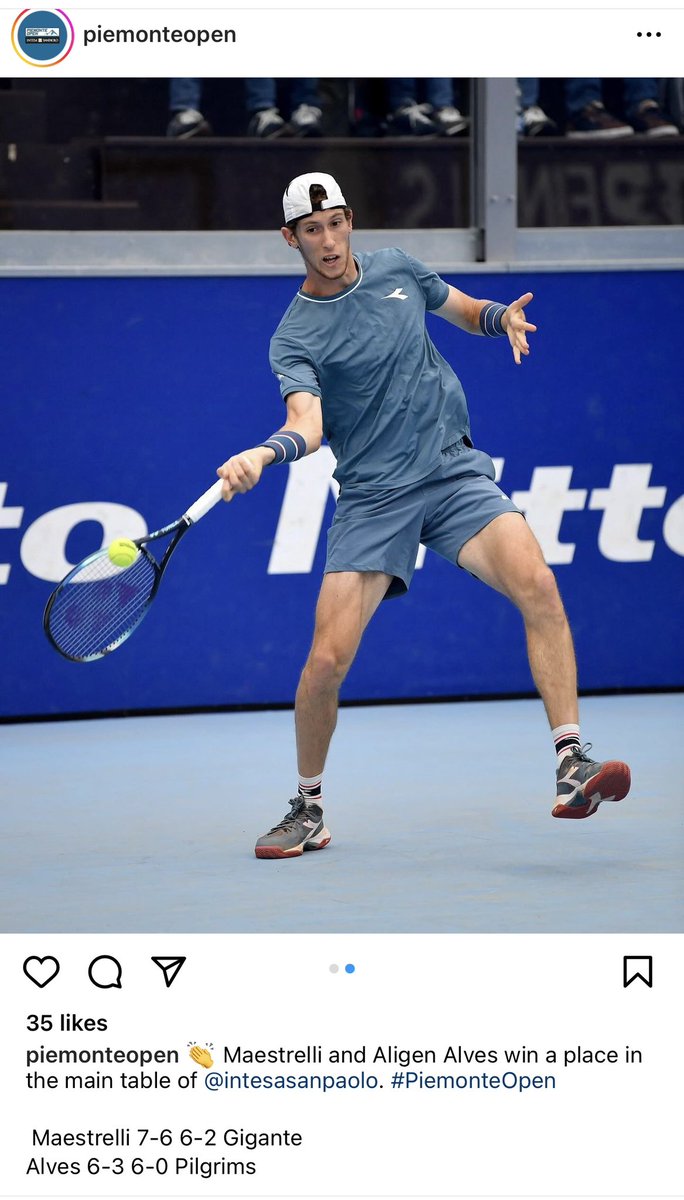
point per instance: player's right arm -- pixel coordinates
(243, 471)
(305, 416)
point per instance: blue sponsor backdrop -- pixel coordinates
(132, 391)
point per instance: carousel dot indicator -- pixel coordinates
(350, 968)
(333, 968)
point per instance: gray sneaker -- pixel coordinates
(582, 784)
(302, 829)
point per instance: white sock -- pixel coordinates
(566, 738)
(310, 788)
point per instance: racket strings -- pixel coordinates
(100, 605)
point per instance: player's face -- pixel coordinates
(323, 239)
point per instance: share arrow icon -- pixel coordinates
(169, 967)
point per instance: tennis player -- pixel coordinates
(355, 362)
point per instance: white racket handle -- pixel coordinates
(205, 502)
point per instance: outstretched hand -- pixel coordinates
(517, 326)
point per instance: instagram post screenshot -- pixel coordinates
(341, 583)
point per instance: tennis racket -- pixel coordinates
(97, 605)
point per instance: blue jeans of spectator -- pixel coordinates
(185, 93)
(580, 92)
(438, 92)
(262, 93)
(529, 92)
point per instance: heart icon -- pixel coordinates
(41, 970)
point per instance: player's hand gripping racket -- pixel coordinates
(99, 604)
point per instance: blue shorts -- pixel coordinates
(381, 530)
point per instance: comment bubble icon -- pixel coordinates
(105, 971)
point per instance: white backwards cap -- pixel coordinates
(297, 201)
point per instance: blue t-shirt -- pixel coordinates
(390, 402)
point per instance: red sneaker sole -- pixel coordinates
(612, 783)
(318, 845)
(296, 852)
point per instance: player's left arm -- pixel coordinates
(467, 313)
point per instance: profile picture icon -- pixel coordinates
(42, 37)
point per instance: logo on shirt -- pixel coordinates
(397, 294)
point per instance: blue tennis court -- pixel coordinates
(440, 816)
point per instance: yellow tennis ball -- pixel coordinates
(123, 552)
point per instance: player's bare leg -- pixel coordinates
(506, 555)
(346, 604)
